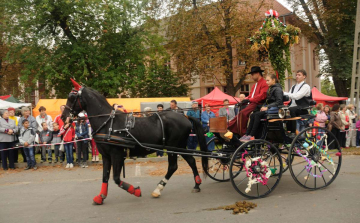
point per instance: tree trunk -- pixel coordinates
(340, 86)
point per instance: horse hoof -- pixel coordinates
(195, 191)
(98, 200)
(155, 195)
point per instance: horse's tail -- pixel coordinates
(198, 130)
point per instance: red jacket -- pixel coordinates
(260, 92)
(68, 135)
(59, 121)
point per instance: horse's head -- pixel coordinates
(75, 103)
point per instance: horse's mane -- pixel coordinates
(95, 94)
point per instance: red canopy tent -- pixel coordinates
(216, 98)
(325, 99)
(5, 97)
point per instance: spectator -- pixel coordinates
(56, 138)
(119, 107)
(27, 138)
(26, 115)
(335, 125)
(147, 111)
(358, 133)
(160, 107)
(58, 119)
(82, 132)
(327, 110)
(195, 113)
(95, 151)
(345, 121)
(351, 139)
(205, 119)
(68, 133)
(226, 111)
(174, 107)
(320, 118)
(8, 129)
(43, 117)
(240, 106)
(45, 137)
(16, 152)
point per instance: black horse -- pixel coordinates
(174, 128)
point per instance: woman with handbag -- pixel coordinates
(345, 120)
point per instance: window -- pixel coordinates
(241, 63)
(244, 88)
(225, 90)
(209, 89)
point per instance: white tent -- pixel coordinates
(6, 104)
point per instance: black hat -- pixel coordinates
(255, 69)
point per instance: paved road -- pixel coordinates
(58, 195)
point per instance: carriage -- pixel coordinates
(254, 168)
(313, 156)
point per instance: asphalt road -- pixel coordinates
(58, 195)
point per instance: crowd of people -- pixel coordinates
(266, 97)
(43, 135)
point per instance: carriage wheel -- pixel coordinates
(317, 158)
(258, 177)
(219, 168)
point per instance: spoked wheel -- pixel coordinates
(219, 168)
(317, 158)
(261, 168)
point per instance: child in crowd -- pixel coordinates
(68, 133)
(27, 138)
(82, 132)
(45, 137)
(56, 138)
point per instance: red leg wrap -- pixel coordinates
(104, 189)
(137, 192)
(98, 199)
(131, 189)
(197, 179)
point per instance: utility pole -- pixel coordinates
(355, 78)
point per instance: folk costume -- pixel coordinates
(256, 97)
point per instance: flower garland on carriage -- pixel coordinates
(274, 40)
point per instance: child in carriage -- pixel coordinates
(274, 98)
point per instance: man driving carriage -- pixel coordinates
(256, 97)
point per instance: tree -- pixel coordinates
(104, 44)
(209, 36)
(331, 24)
(327, 87)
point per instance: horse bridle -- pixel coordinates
(78, 100)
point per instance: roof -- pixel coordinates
(318, 96)
(216, 96)
(281, 9)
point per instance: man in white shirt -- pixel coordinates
(300, 96)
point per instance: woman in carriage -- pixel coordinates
(274, 98)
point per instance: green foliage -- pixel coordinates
(327, 87)
(331, 24)
(103, 44)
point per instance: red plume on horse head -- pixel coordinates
(76, 85)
